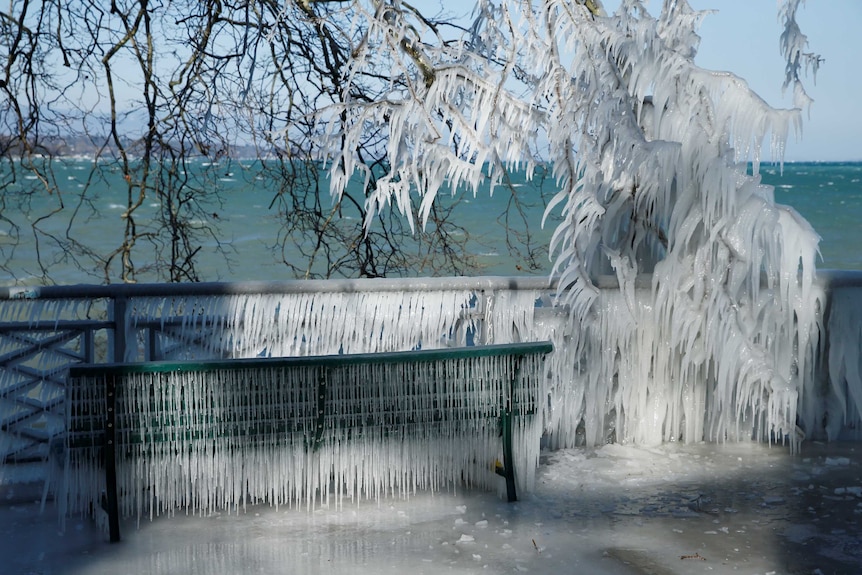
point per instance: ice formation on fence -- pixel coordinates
(203, 439)
(843, 408)
(39, 339)
(298, 324)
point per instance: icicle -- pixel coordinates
(842, 405)
(304, 323)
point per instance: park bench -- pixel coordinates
(202, 436)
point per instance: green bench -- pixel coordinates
(202, 436)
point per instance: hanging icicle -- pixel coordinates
(305, 323)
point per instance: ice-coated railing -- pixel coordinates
(604, 381)
(45, 330)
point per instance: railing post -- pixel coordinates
(485, 303)
(88, 347)
(153, 353)
(118, 317)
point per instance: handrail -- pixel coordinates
(91, 324)
(276, 287)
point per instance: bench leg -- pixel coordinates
(508, 457)
(508, 412)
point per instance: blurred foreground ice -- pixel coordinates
(737, 508)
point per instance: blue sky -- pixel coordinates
(742, 37)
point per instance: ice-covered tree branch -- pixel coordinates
(650, 154)
(149, 88)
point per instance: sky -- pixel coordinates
(743, 37)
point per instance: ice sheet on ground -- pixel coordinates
(736, 508)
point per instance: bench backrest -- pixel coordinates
(218, 434)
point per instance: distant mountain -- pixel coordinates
(89, 147)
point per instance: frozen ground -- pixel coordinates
(616, 510)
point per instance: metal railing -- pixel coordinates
(46, 330)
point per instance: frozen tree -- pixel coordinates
(651, 156)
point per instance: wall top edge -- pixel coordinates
(828, 279)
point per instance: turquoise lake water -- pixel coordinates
(244, 219)
(829, 196)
